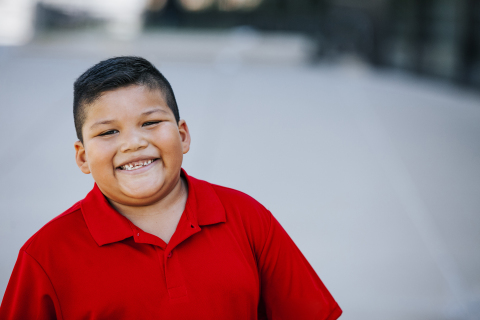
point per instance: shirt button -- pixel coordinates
(169, 255)
(138, 234)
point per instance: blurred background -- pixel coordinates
(357, 123)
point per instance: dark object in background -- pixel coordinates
(469, 70)
(436, 38)
(428, 37)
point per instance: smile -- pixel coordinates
(136, 164)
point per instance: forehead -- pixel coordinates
(125, 101)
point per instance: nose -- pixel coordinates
(133, 141)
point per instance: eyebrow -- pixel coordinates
(101, 122)
(146, 113)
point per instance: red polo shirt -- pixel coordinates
(228, 259)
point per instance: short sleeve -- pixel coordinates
(290, 288)
(29, 294)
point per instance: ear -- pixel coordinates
(81, 157)
(184, 135)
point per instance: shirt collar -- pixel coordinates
(106, 225)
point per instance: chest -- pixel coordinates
(210, 275)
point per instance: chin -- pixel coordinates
(143, 190)
(141, 193)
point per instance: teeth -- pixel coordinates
(135, 165)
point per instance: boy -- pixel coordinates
(149, 241)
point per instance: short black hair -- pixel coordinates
(112, 74)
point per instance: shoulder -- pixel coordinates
(242, 207)
(236, 197)
(246, 218)
(236, 204)
(56, 232)
(237, 201)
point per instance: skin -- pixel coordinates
(131, 124)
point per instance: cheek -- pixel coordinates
(168, 141)
(100, 160)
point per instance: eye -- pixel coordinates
(150, 123)
(109, 132)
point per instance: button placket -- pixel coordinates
(173, 269)
(174, 277)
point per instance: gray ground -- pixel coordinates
(374, 174)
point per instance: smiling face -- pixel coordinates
(133, 146)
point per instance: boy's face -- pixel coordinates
(132, 145)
